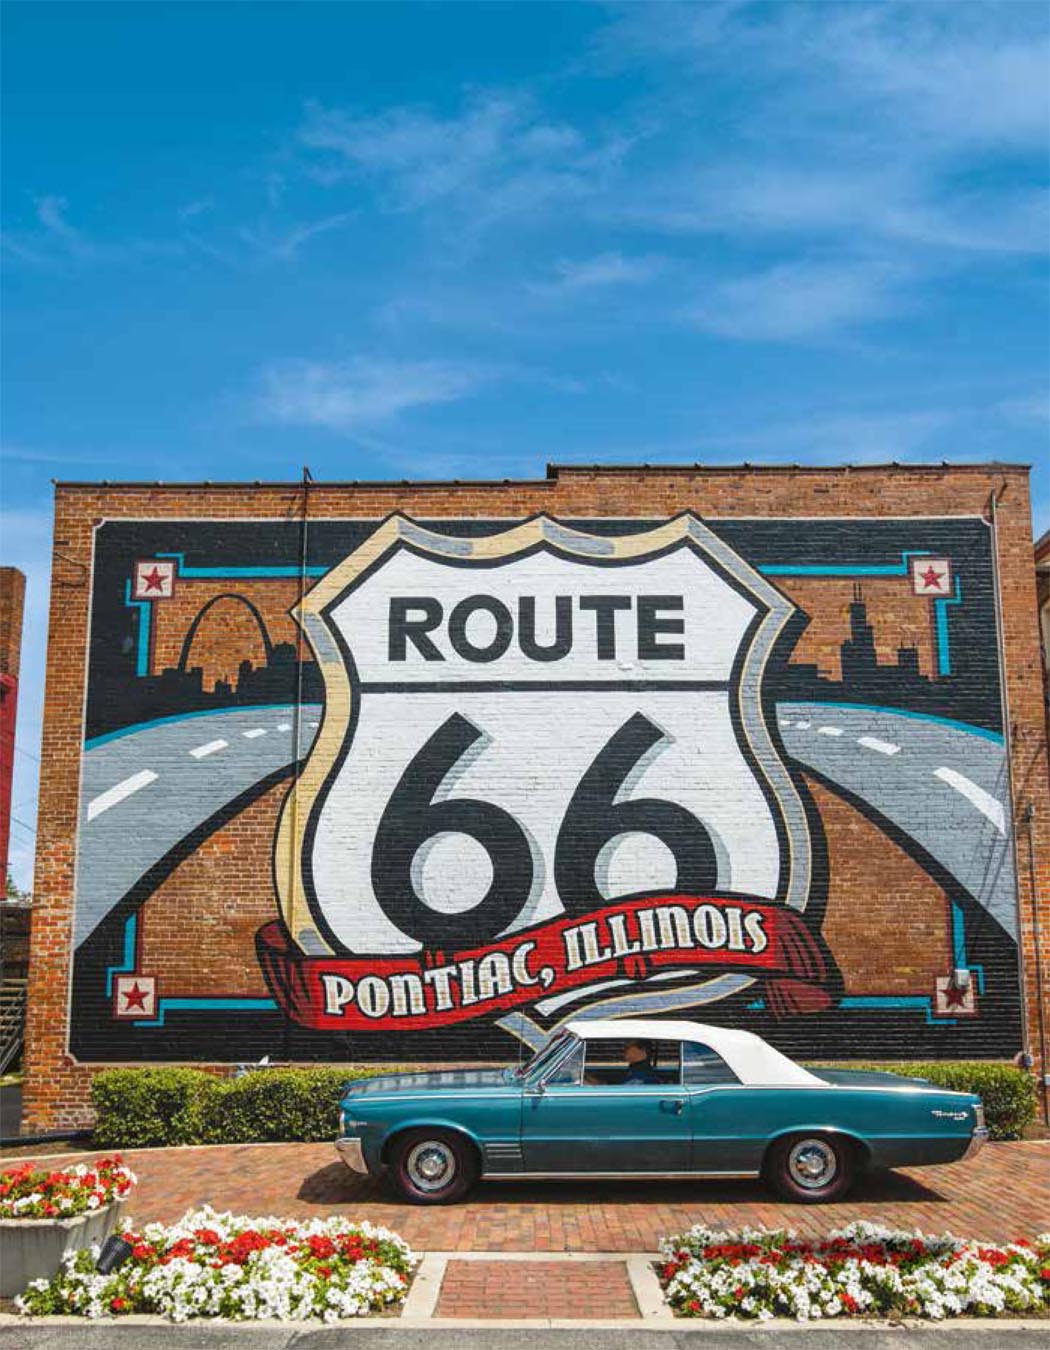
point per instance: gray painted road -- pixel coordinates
(840, 1336)
(171, 776)
(942, 785)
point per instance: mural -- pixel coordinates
(389, 790)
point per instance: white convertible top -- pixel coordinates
(749, 1056)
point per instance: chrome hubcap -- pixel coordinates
(812, 1163)
(431, 1165)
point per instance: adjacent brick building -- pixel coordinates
(12, 604)
(416, 771)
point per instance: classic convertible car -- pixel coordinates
(633, 1098)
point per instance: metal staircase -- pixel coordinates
(12, 1020)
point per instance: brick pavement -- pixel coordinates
(1001, 1194)
(536, 1289)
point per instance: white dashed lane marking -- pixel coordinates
(200, 751)
(829, 731)
(255, 731)
(803, 726)
(284, 726)
(883, 747)
(116, 794)
(988, 806)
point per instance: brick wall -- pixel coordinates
(12, 603)
(887, 924)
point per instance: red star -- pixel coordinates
(932, 578)
(955, 995)
(135, 997)
(154, 580)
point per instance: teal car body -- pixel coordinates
(719, 1104)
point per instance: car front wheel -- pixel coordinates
(810, 1169)
(432, 1167)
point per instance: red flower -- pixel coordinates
(324, 1272)
(848, 1302)
(118, 1304)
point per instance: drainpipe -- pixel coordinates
(1026, 819)
(297, 712)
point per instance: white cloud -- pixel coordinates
(196, 208)
(865, 122)
(800, 300)
(1031, 410)
(599, 272)
(497, 159)
(949, 75)
(284, 245)
(891, 205)
(361, 392)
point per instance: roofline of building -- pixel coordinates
(1042, 549)
(554, 471)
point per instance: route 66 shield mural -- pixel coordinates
(545, 783)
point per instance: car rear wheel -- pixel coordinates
(432, 1167)
(810, 1169)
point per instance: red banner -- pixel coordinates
(629, 939)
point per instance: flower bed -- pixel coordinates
(225, 1265)
(861, 1269)
(32, 1193)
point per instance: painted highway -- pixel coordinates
(173, 775)
(176, 774)
(892, 761)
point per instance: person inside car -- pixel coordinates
(639, 1059)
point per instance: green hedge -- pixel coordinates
(1009, 1095)
(146, 1108)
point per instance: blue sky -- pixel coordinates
(461, 240)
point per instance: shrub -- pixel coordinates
(148, 1108)
(276, 1104)
(1007, 1094)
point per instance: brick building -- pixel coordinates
(12, 605)
(416, 771)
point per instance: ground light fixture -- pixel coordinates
(115, 1251)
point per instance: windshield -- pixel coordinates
(543, 1056)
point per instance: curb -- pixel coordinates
(993, 1325)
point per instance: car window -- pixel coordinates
(701, 1066)
(534, 1067)
(607, 1063)
(569, 1071)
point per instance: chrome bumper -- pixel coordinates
(350, 1152)
(977, 1141)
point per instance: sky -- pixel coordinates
(438, 240)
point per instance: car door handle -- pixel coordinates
(676, 1106)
